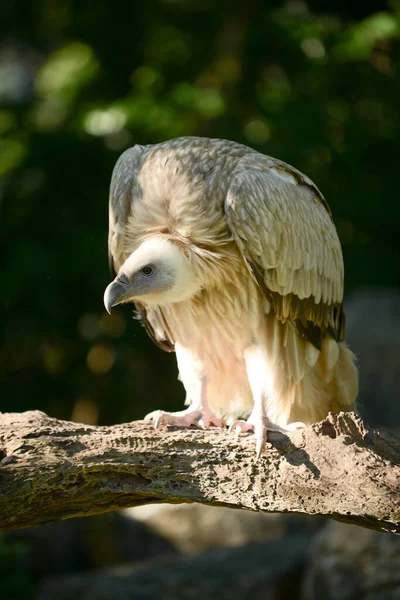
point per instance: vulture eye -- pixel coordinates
(147, 270)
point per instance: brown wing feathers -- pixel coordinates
(283, 228)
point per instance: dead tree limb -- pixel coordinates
(51, 470)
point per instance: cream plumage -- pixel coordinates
(233, 261)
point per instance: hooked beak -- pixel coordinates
(116, 292)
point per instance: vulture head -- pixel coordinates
(157, 272)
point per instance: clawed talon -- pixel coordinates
(161, 418)
(242, 426)
(209, 419)
(260, 429)
(261, 439)
(239, 427)
(185, 418)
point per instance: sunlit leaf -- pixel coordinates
(358, 41)
(106, 121)
(66, 71)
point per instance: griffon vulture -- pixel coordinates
(232, 260)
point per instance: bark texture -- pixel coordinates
(51, 470)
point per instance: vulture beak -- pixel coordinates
(116, 292)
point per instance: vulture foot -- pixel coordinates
(259, 428)
(201, 417)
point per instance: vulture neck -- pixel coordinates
(210, 321)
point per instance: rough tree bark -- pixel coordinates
(51, 470)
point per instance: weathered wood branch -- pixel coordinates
(51, 470)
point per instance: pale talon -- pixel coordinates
(202, 418)
(239, 427)
(260, 433)
(259, 429)
(154, 416)
(158, 421)
(260, 445)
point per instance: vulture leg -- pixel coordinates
(198, 413)
(258, 422)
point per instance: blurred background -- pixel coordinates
(314, 83)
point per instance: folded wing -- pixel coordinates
(284, 230)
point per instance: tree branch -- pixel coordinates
(51, 470)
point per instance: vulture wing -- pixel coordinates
(284, 230)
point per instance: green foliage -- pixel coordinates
(314, 84)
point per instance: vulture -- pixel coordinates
(233, 261)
